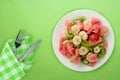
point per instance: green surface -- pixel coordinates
(39, 18)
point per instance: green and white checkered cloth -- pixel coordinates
(10, 67)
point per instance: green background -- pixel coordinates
(39, 18)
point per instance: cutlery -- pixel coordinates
(27, 53)
(19, 39)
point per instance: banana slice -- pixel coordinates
(87, 23)
(85, 61)
(64, 42)
(77, 40)
(75, 29)
(65, 31)
(83, 35)
(97, 49)
(83, 51)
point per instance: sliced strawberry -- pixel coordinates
(68, 24)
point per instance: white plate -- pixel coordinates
(60, 27)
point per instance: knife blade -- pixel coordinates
(27, 53)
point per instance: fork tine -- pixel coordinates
(21, 32)
(19, 39)
(21, 36)
(18, 34)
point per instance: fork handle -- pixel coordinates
(14, 50)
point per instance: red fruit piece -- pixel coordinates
(95, 21)
(68, 55)
(72, 51)
(77, 52)
(62, 49)
(75, 59)
(105, 44)
(70, 48)
(94, 39)
(93, 64)
(80, 24)
(92, 57)
(68, 24)
(63, 37)
(86, 28)
(103, 30)
(87, 25)
(95, 28)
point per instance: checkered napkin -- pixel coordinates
(10, 67)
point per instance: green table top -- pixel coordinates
(39, 18)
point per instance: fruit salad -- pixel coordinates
(83, 40)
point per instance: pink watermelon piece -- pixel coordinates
(75, 59)
(95, 21)
(93, 64)
(80, 24)
(68, 24)
(77, 52)
(72, 51)
(92, 57)
(94, 39)
(95, 28)
(68, 55)
(86, 28)
(105, 44)
(63, 37)
(62, 49)
(70, 48)
(103, 30)
(89, 31)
